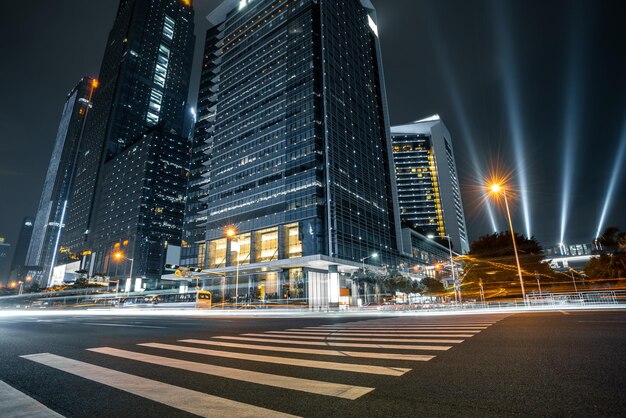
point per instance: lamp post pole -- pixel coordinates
(519, 268)
(374, 255)
(232, 234)
(571, 272)
(538, 282)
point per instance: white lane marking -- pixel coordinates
(434, 334)
(336, 353)
(120, 325)
(394, 330)
(285, 382)
(198, 403)
(397, 326)
(565, 312)
(15, 404)
(355, 368)
(412, 340)
(426, 327)
(327, 344)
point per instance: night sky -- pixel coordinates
(539, 74)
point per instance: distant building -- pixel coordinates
(569, 250)
(427, 181)
(18, 265)
(5, 249)
(130, 182)
(43, 249)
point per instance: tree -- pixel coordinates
(610, 239)
(432, 287)
(613, 240)
(607, 266)
(81, 283)
(492, 260)
(34, 288)
(399, 283)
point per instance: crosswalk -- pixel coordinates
(385, 348)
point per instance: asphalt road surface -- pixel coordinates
(534, 364)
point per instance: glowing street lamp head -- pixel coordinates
(118, 255)
(430, 236)
(375, 255)
(495, 188)
(231, 232)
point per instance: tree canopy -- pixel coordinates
(501, 245)
(491, 261)
(613, 240)
(607, 266)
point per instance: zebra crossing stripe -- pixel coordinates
(288, 361)
(429, 324)
(395, 328)
(328, 344)
(377, 331)
(293, 383)
(351, 338)
(187, 400)
(434, 335)
(336, 353)
(16, 404)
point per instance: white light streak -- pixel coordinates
(512, 101)
(615, 176)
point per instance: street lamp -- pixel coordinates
(374, 255)
(497, 189)
(119, 256)
(457, 288)
(232, 234)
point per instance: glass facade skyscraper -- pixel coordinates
(292, 114)
(52, 213)
(427, 180)
(130, 183)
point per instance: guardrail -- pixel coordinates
(598, 297)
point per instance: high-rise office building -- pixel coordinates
(427, 181)
(44, 245)
(194, 229)
(298, 138)
(130, 183)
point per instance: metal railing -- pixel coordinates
(598, 297)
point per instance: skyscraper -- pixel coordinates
(298, 138)
(52, 212)
(427, 180)
(194, 229)
(130, 183)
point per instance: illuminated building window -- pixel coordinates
(294, 244)
(217, 253)
(240, 250)
(266, 245)
(201, 255)
(168, 27)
